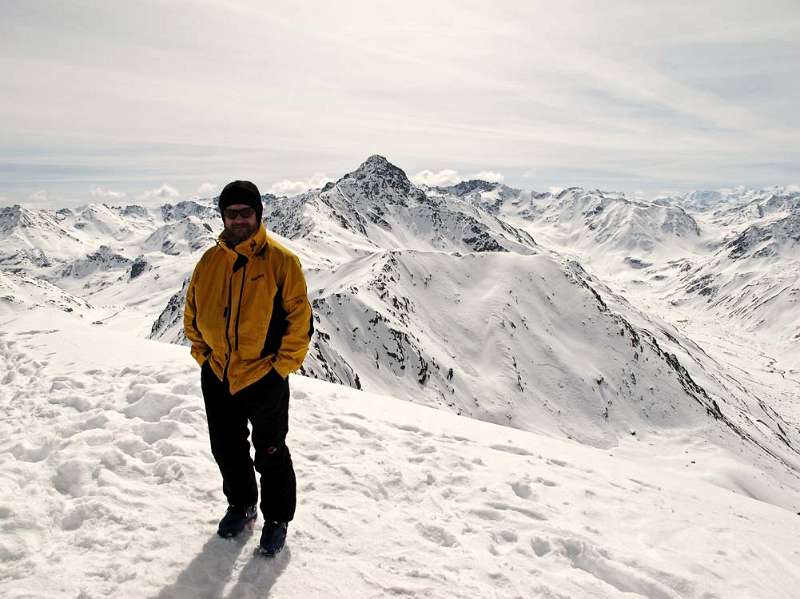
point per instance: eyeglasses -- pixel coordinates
(232, 213)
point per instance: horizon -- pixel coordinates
(165, 104)
(168, 195)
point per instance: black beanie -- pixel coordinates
(241, 192)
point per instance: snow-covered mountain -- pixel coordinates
(753, 278)
(607, 332)
(404, 280)
(376, 207)
(498, 336)
(591, 222)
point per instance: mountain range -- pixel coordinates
(584, 314)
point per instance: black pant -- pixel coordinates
(265, 404)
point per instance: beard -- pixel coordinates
(237, 233)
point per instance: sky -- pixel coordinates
(158, 101)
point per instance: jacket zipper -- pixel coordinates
(227, 329)
(239, 307)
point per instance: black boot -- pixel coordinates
(272, 538)
(235, 519)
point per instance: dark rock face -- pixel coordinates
(10, 217)
(134, 210)
(138, 267)
(636, 263)
(468, 187)
(22, 259)
(761, 241)
(181, 210)
(167, 326)
(379, 178)
(285, 216)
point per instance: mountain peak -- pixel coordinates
(376, 160)
(377, 179)
(380, 171)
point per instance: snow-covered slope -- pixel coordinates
(511, 339)
(109, 490)
(20, 293)
(751, 277)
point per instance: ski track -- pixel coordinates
(108, 489)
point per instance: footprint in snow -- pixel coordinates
(625, 577)
(362, 431)
(153, 406)
(522, 489)
(437, 535)
(499, 505)
(510, 449)
(541, 547)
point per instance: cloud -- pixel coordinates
(101, 193)
(39, 197)
(490, 176)
(448, 176)
(207, 190)
(165, 192)
(441, 179)
(293, 188)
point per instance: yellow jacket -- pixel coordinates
(247, 310)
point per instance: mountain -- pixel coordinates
(21, 293)
(753, 279)
(28, 237)
(739, 201)
(636, 354)
(500, 336)
(108, 264)
(589, 222)
(441, 296)
(184, 236)
(376, 206)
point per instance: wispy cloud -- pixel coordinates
(165, 193)
(207, 190)
(40, 196)
(102, 193)
(490, 176)
(448, 176)
(441, 178)
(291, 188)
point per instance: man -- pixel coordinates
(248, 319)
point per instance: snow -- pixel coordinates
(109, 489)
(568, 417)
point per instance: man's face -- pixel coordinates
(241, 222)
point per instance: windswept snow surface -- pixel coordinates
(109, 490)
